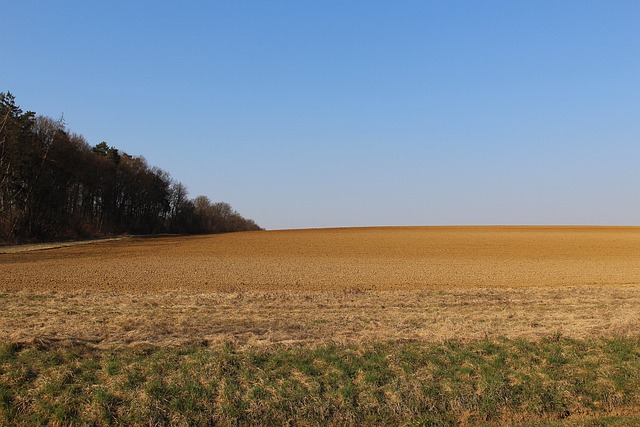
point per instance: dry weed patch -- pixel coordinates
(258, 319)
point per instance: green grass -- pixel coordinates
(551, 382)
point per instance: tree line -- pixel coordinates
(54, 185)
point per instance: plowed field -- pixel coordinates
(347, 285)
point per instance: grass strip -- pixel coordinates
(554, 381)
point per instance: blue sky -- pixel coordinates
(349, 113)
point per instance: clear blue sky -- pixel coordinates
(346, 113)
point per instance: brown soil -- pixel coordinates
(346, 285)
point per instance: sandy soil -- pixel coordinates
(346, 285)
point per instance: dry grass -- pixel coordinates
(340, 285)
(351, 317)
